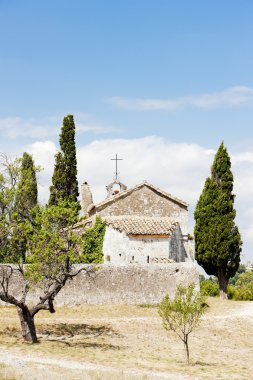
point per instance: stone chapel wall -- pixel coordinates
(145, 201)
(119, 249)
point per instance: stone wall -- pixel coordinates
(144, 201)
(178, 250)
(118, 248)
(123, 249)
(132, 284)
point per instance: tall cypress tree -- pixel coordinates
(25, 199)
(64, 180)
(217, 239)
(27, 189)
(57, 190)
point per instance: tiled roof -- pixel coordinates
(141, 225)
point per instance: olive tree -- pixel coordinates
(52, 249)
(182, 314)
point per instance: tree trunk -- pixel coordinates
(223, 285)
(27, 325)
(187, 350)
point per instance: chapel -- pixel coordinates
(144, 224)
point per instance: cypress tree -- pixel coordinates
(217, 238)
(57, 190)
(25, 200)
(27, 189)
(64, 180)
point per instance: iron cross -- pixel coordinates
(116, 160)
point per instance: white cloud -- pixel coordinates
(238, 96)
(166, 164)
(95, 128)
(15, 127)
(242, 157)
(49, 127)
(178, 168)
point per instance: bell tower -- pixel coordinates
(116, 186)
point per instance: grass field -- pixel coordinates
(128, 342)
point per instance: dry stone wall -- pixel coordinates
(131, 284)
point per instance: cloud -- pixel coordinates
(95, 128)
(178, 168)
(150, 158)
(238, 96)
(49, 127)
(242, 157)
(15, 127)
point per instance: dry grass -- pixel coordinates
(119, 338)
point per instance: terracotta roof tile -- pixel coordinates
(141, 225)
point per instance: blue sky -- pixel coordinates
(146, 76)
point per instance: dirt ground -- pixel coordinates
(128, 342)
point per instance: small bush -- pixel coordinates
(231, 292)
(244, 293)
(244, 279)
(240, 287)
(243, 289)
(209, 288)
(240, 270)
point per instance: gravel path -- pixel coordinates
(18, 361)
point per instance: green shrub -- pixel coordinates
(243, 289)
(244, 293)
(244, 279)
(231, 292)
(240, 287)
(93, 240)
(209, 288)
(240, 270)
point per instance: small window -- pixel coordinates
(148, 259)
(108, 258)
(119, 254)
(132, 258)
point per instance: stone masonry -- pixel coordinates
(144, 223)
(145, 200)
(125, 284)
